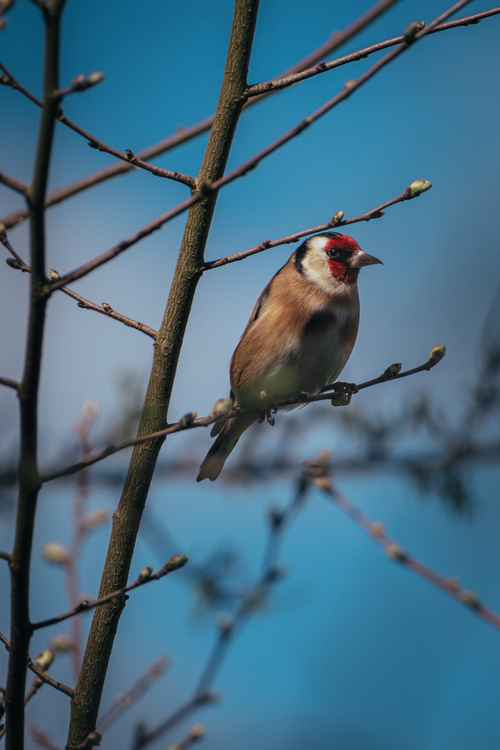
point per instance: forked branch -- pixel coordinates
(338, 394)
(207, 187)
(183, 135)
(376, 530)
(128, 156)
(145, 576)
(416, 188)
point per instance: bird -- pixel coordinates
(300, 334)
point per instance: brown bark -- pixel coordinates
(127, 518)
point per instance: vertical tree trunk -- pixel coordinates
(29, 481)
(127, 518)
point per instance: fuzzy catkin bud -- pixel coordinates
(222, 407)
(95, 78)
(393, 370)
(324, 484)
(94, 520)
(56, 554)
(62, 644)
(45, 660)
(197, 732)
(145, 574)
(395, 552)
(470, 599)
(418, 187)
(437, 354)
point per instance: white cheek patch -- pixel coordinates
(315, 265)
(318, 244)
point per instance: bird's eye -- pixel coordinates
(337, 254)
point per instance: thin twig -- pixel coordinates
(336, 40)
(396, 553)
(127, 156)
(145, 576)
(279, 520)
(83, 303)
(109, 312)
(9, 383)
(336, 221)
(41, 4)
(44, 676)
(16, 185)
(35, 687)
(195, 734)
(123, 702)
(41, 738)
(4, 240)
(280, 83)
(190, 421)
(80, 83)
(211, 187)
(186, 134)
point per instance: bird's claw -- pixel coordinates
(269, 416)
(342, 393)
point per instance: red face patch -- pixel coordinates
(339, 250)
(341, 243)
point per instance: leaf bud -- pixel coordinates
(45, 660)
(56, 554)
(418, 187)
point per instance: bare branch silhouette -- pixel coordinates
(13, 184)
(413, 191)
(210, 187)
(41, 674)
(128, 156)
(340, 393)
(145, 576)
(132, 696)
(104, 308)
(336, 40)
(29, 481)
(280, 83)
(399, 555)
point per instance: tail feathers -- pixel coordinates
(222, 447)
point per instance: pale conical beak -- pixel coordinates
(364, 259)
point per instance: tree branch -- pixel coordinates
(145, 576)
(399, 555)
(42, 739)
(85, 304)
(340, 393)
(167, 348)
(337, 40)
(29, 481)
(41, 674)
(123, 702)
(109, 312)
(9, 383)
(16, 185)
(279, 520)
(277, 84)
(126, 156)
(336, 221)
(210, 187)
(42, 5)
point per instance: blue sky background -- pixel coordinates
(352, 652)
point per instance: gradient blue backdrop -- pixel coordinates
(353, 652)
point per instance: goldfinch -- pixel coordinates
(298, 339)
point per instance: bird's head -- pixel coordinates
(331, 259)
